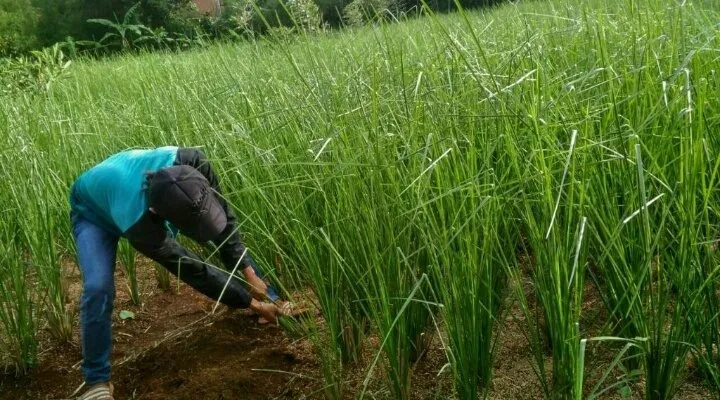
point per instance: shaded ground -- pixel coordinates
(175, 349)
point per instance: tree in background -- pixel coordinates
(58, 19)
(332, 10)
(31, 24)
(175, 17)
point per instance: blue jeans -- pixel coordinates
(96, 254)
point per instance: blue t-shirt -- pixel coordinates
(111, 194)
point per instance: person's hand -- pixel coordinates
(268, 311)
(257, 287)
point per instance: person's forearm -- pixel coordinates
(205, 278)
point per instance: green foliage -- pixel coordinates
(360, 12)
(122, 34)
(43, 253)
(162, 276)
(130, 34)
(126, 253)
(18, 317)
(58, 20)
(305, 15)
(103, 26)
(410, 175)
(238, 16)
(177, 16)
(332, 11)
(18, 26)
(35, 73)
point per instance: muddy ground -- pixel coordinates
(174, 348)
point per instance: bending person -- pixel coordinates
(146, 196)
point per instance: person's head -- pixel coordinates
(183, 196)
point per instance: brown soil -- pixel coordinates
(175, 348)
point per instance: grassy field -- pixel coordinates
(419, 177)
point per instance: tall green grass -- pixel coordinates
(18, 316)
(555, 236)
(416, 179)
(126, 255)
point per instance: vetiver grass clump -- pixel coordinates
(399, 172)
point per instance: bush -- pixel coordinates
(59, 19)
(18, 24)
(305, 15)
(177, 17)
(174, 17)
(33, 73)
(332, 11)
(26, 25)
(360, 12)
(238, 16)
(264, 17)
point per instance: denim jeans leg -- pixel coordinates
(96, 252)
(271, 292)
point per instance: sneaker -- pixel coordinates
(101, 391)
